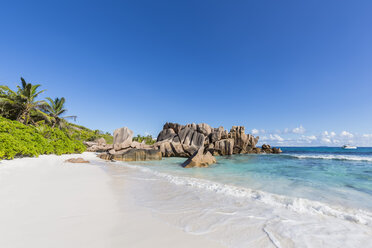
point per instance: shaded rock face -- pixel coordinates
(177, 140)
(199, 159)
(133, 155)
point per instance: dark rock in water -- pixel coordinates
(199, 159)
(276, 150)
(77, 160)
(268, 149)
(134, 155)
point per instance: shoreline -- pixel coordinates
(49, 203)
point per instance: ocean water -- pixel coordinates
(304, 197)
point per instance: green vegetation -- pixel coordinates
(148, 139)
(30, 127)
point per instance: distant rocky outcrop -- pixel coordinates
(267, 149)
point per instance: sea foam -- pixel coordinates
(299, 205)
(332, 157)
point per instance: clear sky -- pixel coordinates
(288, 70)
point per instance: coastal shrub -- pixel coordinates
(17, 139)
(148, 139)
(60, 141)
(85, 134)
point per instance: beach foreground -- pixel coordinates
(48, 203)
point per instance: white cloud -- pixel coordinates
(293, 137)
(274, 137)
(299, 130)
(346, 134)
(310, 138)
(256, 131)
(326, 140)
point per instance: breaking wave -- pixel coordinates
(299, 205)
(332, 157)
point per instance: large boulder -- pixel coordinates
(122, 138)
(133, 155)
(199, 159)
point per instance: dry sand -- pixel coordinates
(45, 202)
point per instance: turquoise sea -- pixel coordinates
(304, 190)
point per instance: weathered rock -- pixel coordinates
(190, 150)
(101, 141)
(122, 138)
(200, 159)
(178, 150)
(138, 155)
(216, 135)
(204, 129)
(264, 147)
(224, 147)
(165, 148)
(90, 143)
(185, 135)
(166, 134)
(100, 148)
(175, 126)
(77, 160)
(256, 150)
(105, 156)
(276, 150)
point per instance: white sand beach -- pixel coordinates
(48, 203)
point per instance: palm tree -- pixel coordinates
(22, 102)
(55, 109)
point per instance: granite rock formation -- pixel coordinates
(198, 142)
(177, 140)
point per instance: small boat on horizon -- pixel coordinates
(348, 147)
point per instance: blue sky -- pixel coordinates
(288, 70)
